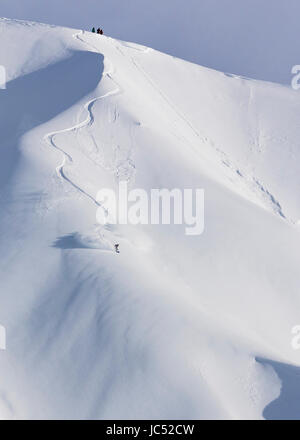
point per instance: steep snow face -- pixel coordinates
(254, 38)
(173, 326)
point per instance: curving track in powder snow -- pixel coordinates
(89, 120)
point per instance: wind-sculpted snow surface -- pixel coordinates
(173, 326)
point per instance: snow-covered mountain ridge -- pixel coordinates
(173, 326)
(253, 38)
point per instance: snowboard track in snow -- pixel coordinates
(237, 178)
(49, 138)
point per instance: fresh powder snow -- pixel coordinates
(174, 326)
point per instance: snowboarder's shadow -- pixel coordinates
(77, 241)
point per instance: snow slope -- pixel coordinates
(174, 326)
(254, 38)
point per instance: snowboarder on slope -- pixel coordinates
(117, 248)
